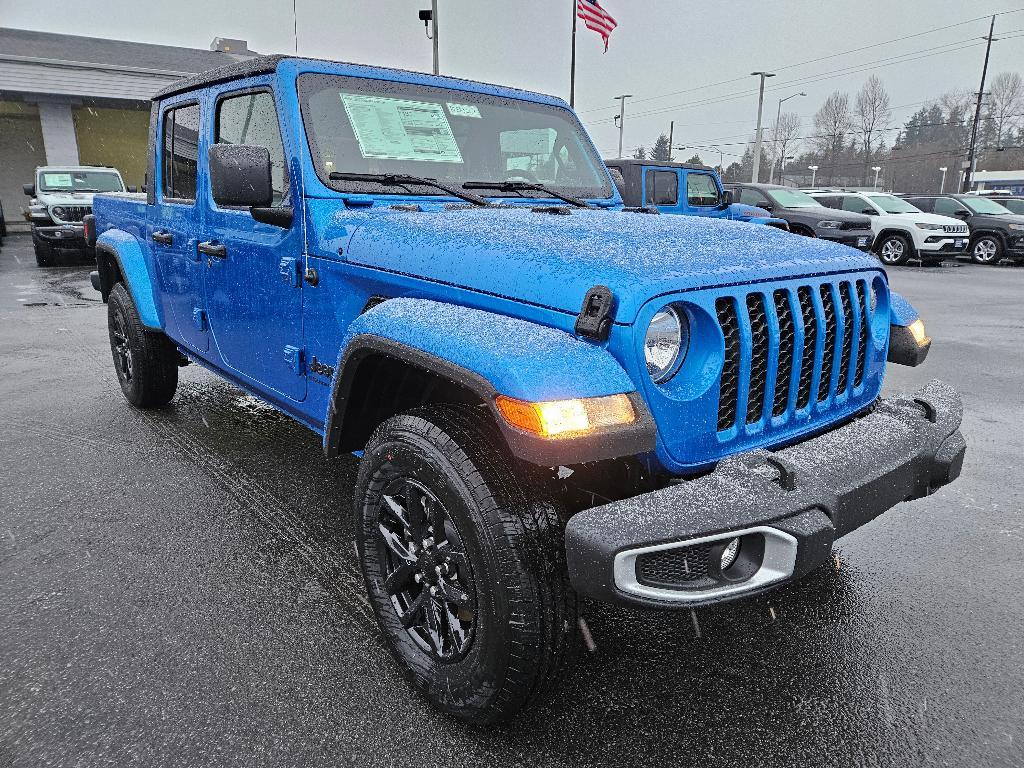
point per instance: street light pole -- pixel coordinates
(782, 169)
(757, 139)
(971, 157)
(814, 173)
(622, 117)
(775, 139)
(942, 184)
(876, 169)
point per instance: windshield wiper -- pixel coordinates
(403, 180)
(526, 186)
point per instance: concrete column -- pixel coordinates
(58, 133)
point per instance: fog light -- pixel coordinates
(729, 554)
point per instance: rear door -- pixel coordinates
(253, 278)
(175, 220)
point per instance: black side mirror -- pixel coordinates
(240, 176)
(963, 213)
(725, 200)
(133, 189)
(869, 212)
(29, 189)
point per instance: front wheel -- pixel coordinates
(146, 362)
(894, 250)
(464, 562)
(987, 250)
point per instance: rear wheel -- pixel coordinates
(146, 362)
(894, 250)
(464, 562)
(987, 250)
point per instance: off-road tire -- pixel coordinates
(146, 362)
(525, 618)
(894, 250)
(986, 250)
(45, 254)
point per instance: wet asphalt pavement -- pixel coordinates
(179, 587)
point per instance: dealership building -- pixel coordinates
(70, 100)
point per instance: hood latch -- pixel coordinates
(595, 318)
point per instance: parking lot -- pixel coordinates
(179, 587)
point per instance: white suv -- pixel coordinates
(902, 232)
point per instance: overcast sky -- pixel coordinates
(671, 54)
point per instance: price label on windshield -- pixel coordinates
(399, 129)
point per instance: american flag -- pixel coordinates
(596, 18)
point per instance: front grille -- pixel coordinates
(955, 229)
(673, 566)
(780, 330)
(71, 213)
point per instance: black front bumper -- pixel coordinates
(787, 506)
(62, 235)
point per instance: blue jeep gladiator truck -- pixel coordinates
(552, 398)
(682, 188)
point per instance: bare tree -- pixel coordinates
(873, 113)
(832, 123)
(785, 139)
(1005, 104)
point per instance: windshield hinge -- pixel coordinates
(595, 318)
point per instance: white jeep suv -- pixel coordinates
(902, 232)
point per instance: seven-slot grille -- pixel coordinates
(955, 229)
(783, 329)
(71, 213)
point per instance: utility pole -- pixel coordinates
(971, 155)
(757, 142)
(429, 19)
(622, 117)
(671, 130)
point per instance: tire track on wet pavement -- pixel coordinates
(332, 568)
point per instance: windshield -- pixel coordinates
(79, 181)
(791, 198)
(891, 204)
(984, 205)
(356, 125)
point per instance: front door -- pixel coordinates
(253, 270)
(703, 197)
(174, 222)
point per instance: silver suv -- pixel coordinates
(61, 196)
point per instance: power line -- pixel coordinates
(815, 60)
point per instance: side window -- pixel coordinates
(945, 206)
(854, 204)
(251, 118)
(924, 203)
(662, 188)
(180, 152)
(701, 190)
(753, 197)
(619, 179)
(829, 201)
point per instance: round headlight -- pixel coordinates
(663, 344)
(58, 211)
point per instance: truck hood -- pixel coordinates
(551, 260)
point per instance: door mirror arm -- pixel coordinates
(725, 200)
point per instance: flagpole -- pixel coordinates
(572, 71)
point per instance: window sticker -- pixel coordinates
(57, 180)
(398, 129)
(463, 110)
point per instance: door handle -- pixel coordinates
(164, 238)
(211, 248)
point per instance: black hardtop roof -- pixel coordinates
(632, 161)
(759, 185)
(265, 65)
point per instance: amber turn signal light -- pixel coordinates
(916, 329)
(566, 418)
